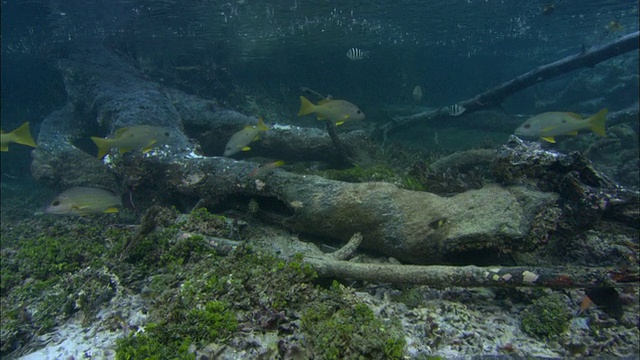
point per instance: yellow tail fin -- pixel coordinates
(306, 107)
(22, 135)
(104, 145)
(597, 122)
(261, 125)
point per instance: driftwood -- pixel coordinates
(441, 276)
(333, 266)
(416, 227)
(494, 97)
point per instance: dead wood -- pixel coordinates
(495, 96)
(416, 227)
(347, 251)
(441, 276)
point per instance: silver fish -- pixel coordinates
(456, 110)
(355, 54)
(84, 201)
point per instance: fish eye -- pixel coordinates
(167, 134)
(526, 126)
(56, 203)
(359, 112)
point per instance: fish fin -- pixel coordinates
(256, 138)
(320, 117)
(111, 210)
(549, 139)
(573, 133)
(148, 148)
(119, 132)
(339, 123)
(124, 150)
(585, 304)
(278, 163)
(261, 125)
(246, 148)
(104, 145)
(306, 107)
(79, 207)
(4, 148)
(598, 121)
(22, 135)
(575, 116)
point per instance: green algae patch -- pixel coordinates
(172, 337)
(350, 331)
(548, 316)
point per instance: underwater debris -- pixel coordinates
(450, 181)
(588, 194)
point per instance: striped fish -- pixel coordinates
(355, 54)
(456, 110)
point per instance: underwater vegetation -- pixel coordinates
(351, 333)
(546, 317)
(195, 297)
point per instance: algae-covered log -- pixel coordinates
(471, 276)
(413, 226)
(495, 96)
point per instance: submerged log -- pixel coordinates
(440, 276)
(416, 227)
(107, 93)
(495, 96)
(333, 266)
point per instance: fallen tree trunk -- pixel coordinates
(416, 227)
(495, 96)
(107, 93)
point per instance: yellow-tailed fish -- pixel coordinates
(240, 141)
(21, 135)
(144, 137)
(266, 168)
(551, 124)
(83, 201)
(334, 110)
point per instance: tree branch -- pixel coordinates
(471, 276)
(495, 96)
